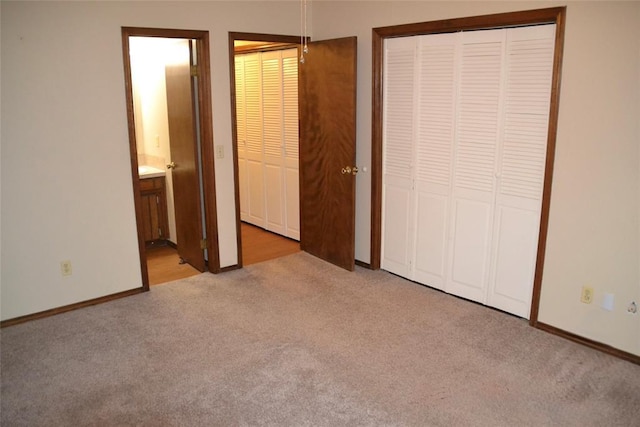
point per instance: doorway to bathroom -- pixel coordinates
(167, 78)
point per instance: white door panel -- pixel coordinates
(514, 260)
(244, 191)
(470, 249)
(274, 198)
(396, 229)
(256, 193)
(431, 239)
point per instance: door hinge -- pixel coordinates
(194, 70)
(203, 244)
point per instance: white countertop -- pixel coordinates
(150, 172)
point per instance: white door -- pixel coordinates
(529, 63)
(476, 146)
(273, 141)
(464, 149)
(398, 136)
(253, 147)
(291, 147)
(267, 123)
(241, 128)
(434, 155)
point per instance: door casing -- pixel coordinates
(206, 134)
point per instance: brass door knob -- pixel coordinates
(171, 165)
(348, 169)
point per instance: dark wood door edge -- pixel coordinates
(70, 307)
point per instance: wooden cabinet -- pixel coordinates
(154, 210)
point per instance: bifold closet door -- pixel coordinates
(524, 135)
(464, 148)
(250, 149)
(477, 131)
(434, 154)
(398, 144)
(241, 130)
(267, 129)
(291, 144)
(273, 141)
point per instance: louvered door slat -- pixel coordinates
(437, 115)
(253, 102)
(272, 106)
(398, 126)
(290, 83)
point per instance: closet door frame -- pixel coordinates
(504, 20)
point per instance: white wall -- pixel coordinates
(594, 218)
(66, 184)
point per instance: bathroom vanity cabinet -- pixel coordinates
(154, 210)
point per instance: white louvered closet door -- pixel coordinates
(464, 150)
(273, 141)
(434, 155)
(476, 147)
(253, 151)
(398, 136)
(529, 70)
(291, 147)
(267, 124)
(241, 128)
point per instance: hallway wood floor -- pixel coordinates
(163, 262)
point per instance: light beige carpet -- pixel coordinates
(298, 342)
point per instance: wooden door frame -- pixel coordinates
(511, 19)
(206, 137)
(233, 36)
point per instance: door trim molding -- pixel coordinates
(233, 36)
(206, 136)
(554, 15)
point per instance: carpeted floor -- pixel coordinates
(298, 342)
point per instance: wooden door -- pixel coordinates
(327, 111)
(185, 174)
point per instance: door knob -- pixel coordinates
(171, 165)
(348, 169)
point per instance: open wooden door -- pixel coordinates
(327, 109)
(184, 164)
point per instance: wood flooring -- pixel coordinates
(258, 245)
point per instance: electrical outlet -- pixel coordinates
(587, 295)
(220, 151)
(632, 308)
(65, 268)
